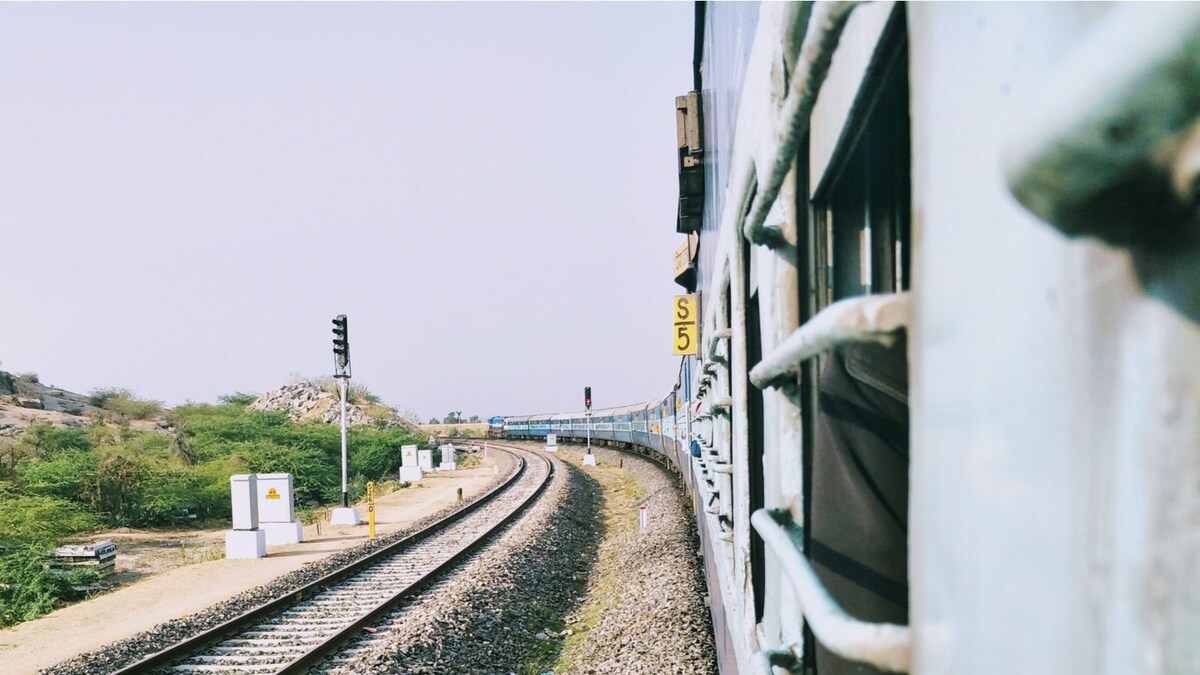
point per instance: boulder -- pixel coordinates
(30, 402)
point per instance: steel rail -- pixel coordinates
(215, 634)
(331, 645)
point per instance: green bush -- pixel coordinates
(238, 398)
(134, 408)
(60, 482)
(63, 477)
(29, 519)
(170, 494)
(28, 589)
(116, 476)
(41, 440)
(124, 402)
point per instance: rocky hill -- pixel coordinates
(305, 402)
(308, 402)
(24, 400)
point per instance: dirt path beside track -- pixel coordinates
(175, 574)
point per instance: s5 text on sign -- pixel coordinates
(687, 314)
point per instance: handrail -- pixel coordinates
(821, 37)
(714, 342)
(768, 659)
(871, 318)
(884, 645)
(721, 406)
(1103, 117)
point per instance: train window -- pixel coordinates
(755, 421)
(856, 424)
(864, 212)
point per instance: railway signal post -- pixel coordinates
(589, 459)
(344, 515)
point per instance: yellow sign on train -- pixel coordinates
(687, 332)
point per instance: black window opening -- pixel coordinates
(858, 244)
(755, 421)
(864, 211)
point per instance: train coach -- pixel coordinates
(946, 382)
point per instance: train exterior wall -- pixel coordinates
(1054, 464)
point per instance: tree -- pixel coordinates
(474, 419)
(455, 417)
(434, 420)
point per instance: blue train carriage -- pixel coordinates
(662, 427)
(577, 425)
(539, 426)
(622, 420)
(560, 425)
(602, 425)
(516, 427)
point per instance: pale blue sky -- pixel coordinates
(190, 192)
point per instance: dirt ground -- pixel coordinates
(168, 575)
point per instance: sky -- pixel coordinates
(189, 193)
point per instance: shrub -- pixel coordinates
(41, 440)
(28, 377)
(29, 590)
(379, 413)
(27, 519)
(238, 398)
(356, 393)
(123, 402)
(63, 477)
(133, 408)
(98, 397)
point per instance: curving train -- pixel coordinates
(651, 428)
(943, 409)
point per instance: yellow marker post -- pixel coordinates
(371, 510)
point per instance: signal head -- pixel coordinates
(341, 341)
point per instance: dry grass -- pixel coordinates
(622, 494)
(478, 429)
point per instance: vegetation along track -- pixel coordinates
(293, 632)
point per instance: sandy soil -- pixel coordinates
(174, 574)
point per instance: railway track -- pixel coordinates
(309, 625)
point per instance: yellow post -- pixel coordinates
(371, 510)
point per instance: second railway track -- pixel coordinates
(295, 632)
